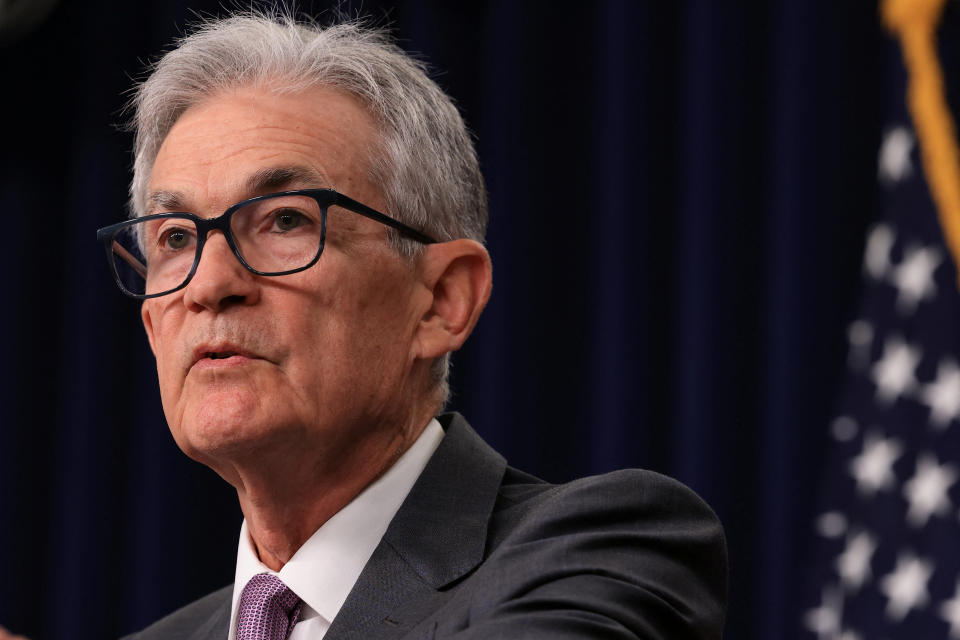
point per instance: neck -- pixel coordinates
(287, 498)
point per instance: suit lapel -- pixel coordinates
(216, 624)
(438, 536)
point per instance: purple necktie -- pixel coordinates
(268, 609)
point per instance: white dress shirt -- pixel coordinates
(323, 571)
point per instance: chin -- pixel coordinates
(227, 428)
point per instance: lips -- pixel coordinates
(218, 355)
(215, 355)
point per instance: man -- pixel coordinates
(306, 239)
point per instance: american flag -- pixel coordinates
(887, 537)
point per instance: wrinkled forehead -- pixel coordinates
(249, 141)
(260, 182)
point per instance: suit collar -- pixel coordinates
(438, 536)
(441, 529)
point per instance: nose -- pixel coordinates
(220, 281)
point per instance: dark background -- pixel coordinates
(679, 194)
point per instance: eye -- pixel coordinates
(285, 220)
(175, 238)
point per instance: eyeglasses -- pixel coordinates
(272, 235)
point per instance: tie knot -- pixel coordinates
(268, 609)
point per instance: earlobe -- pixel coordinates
(459, 276)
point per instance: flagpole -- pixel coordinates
(915, 23)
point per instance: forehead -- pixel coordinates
(217, 148)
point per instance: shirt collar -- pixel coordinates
(323, 571)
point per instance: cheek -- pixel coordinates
(345, 348)
(161, 327)
(170, 384)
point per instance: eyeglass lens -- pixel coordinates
(272, 235)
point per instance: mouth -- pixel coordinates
(219, 356)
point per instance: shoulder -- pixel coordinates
(628, 497)
(637, 552)
(200, 619)
(644, 497)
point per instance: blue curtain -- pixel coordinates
(678, 193)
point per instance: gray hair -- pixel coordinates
(424, 160)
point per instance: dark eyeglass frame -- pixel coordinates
(323, 197)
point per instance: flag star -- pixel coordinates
(943, 395)
(913, 277)
(950, 612)
(860, 336)
(876, 255)
(860, 333)
(832, 524)
(894, 162)
(927, 490)
(844, 428)
(894, 372)
(825, 619)
(853, 564)
(873, 467)
(906, 587)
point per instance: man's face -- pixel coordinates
(320, 359)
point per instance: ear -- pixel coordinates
(459, 276)
(148, 324)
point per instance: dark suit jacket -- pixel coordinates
(480, 550)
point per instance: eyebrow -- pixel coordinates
(284, 178)
(260, 182)
(169, 200)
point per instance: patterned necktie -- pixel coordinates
(268, 609)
